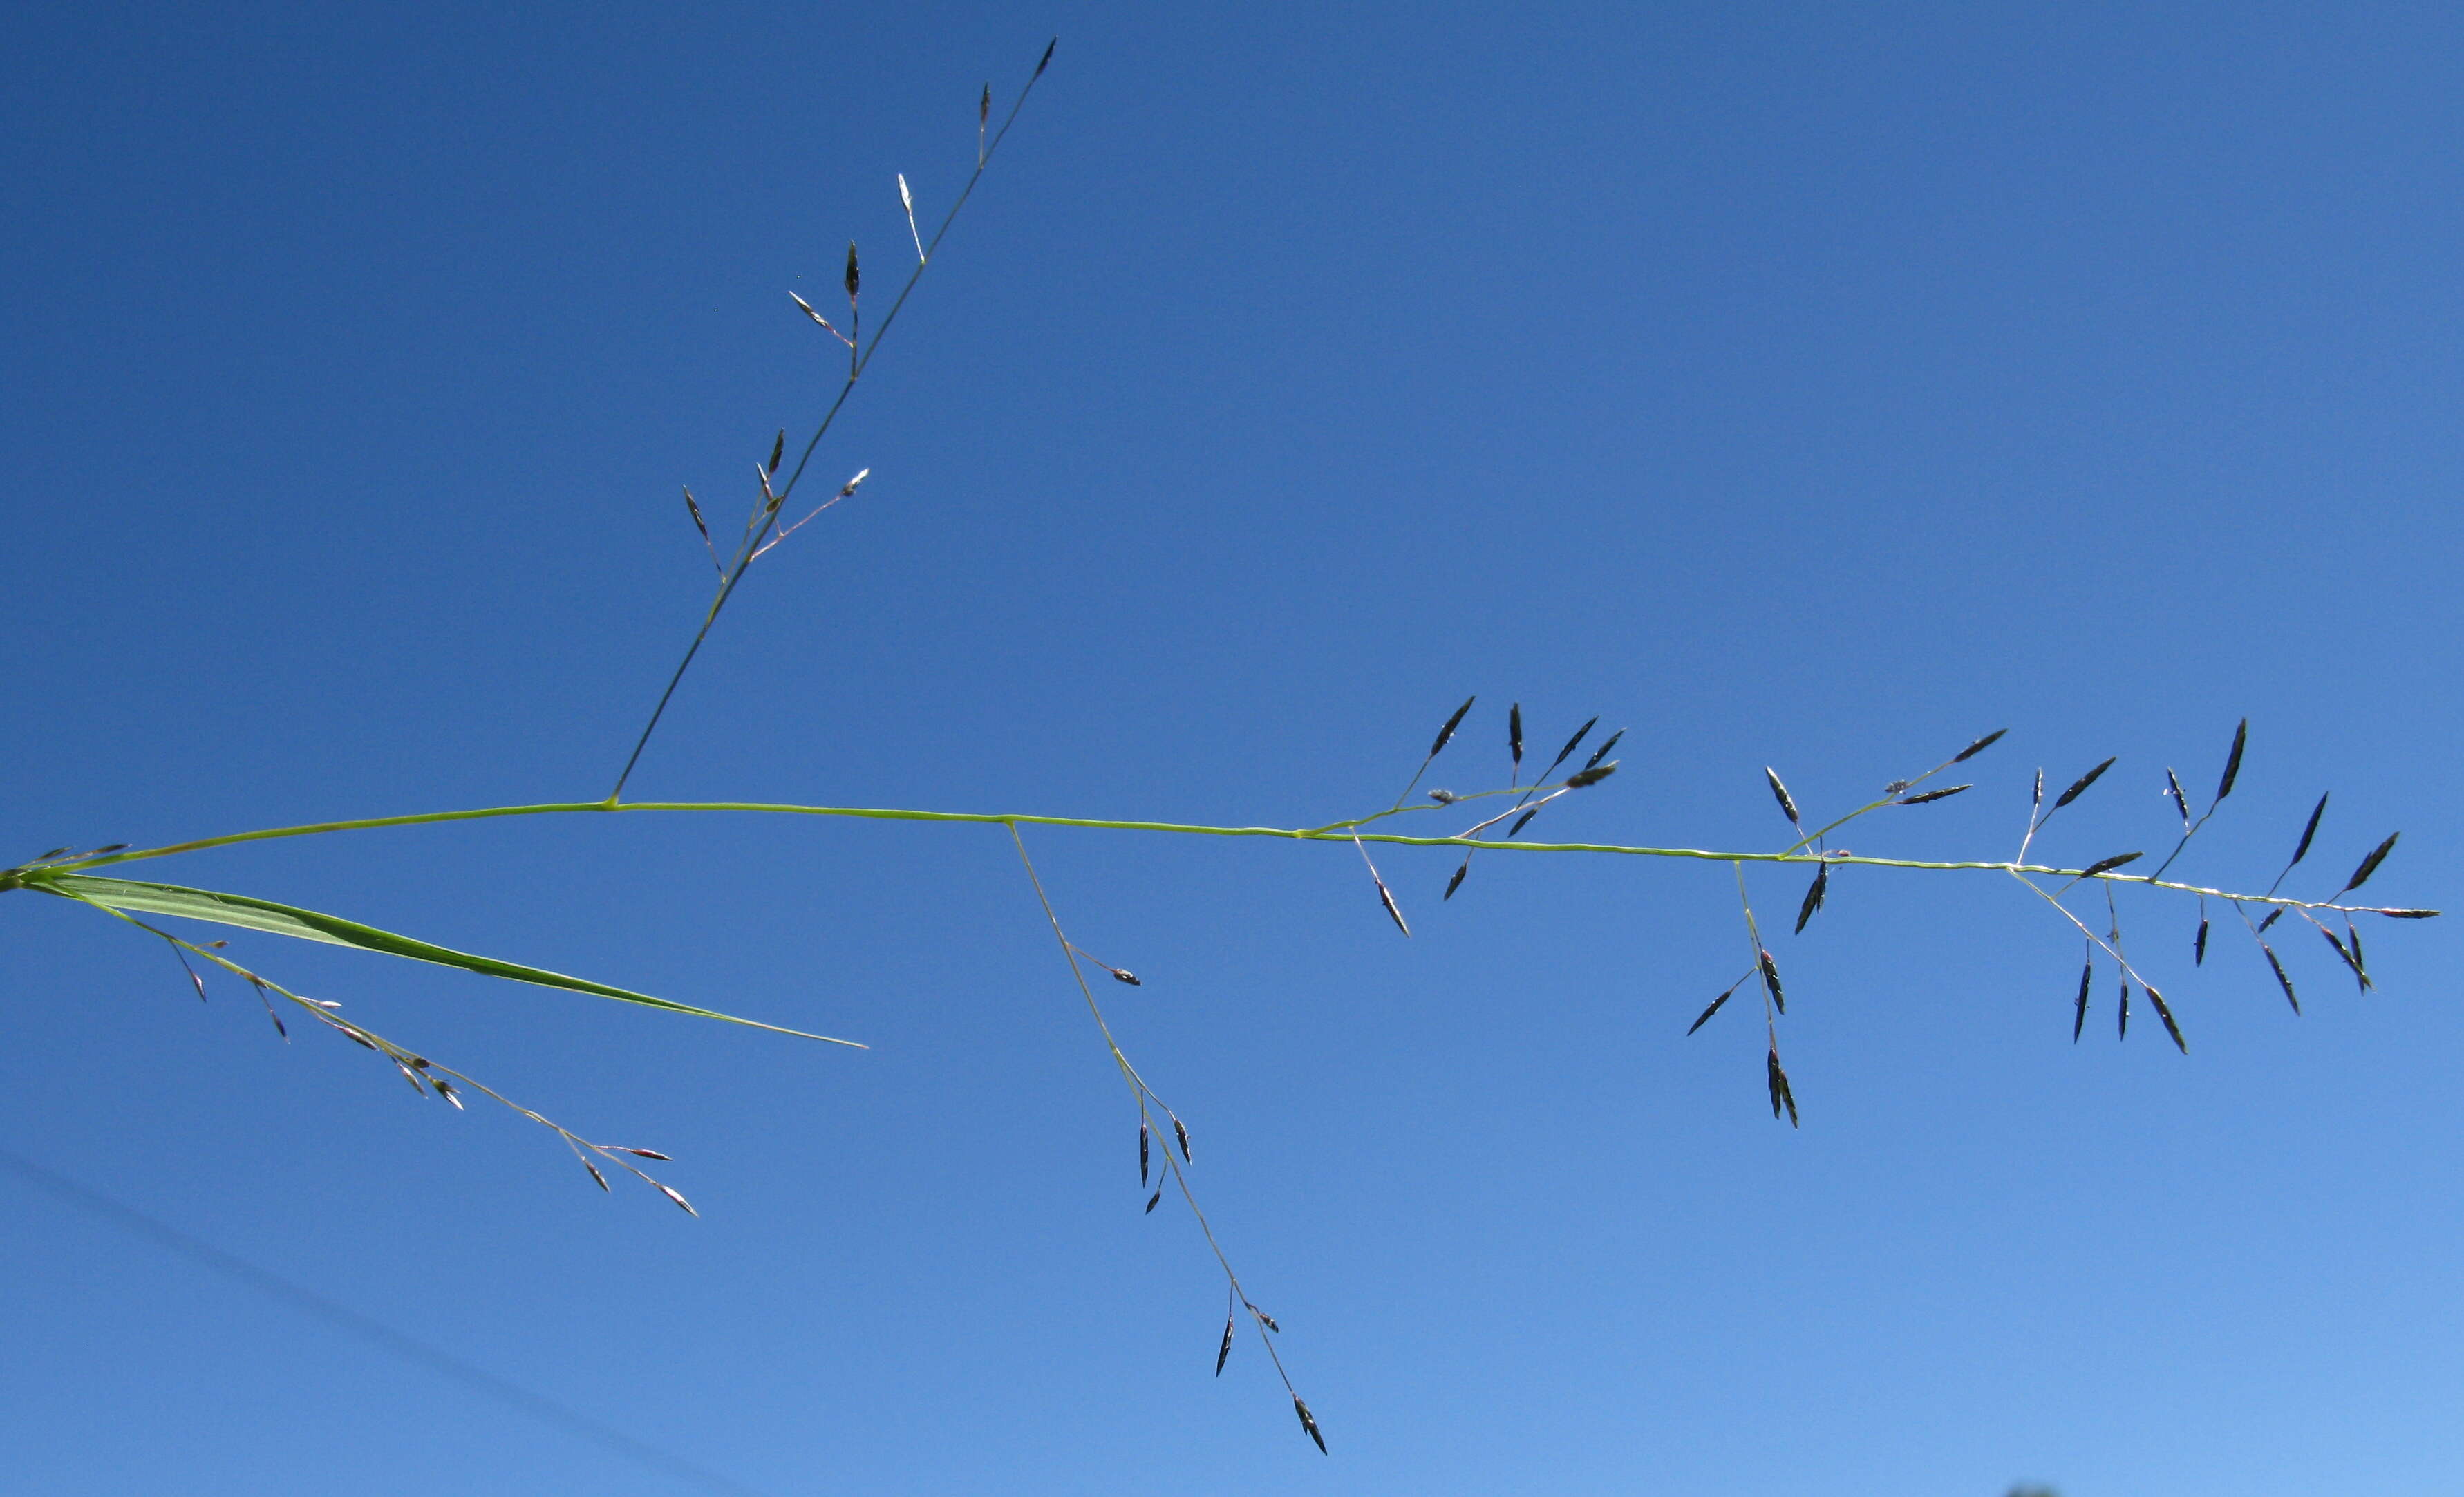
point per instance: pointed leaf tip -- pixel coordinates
(309, 925)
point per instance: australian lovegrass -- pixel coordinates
(1165, 1155)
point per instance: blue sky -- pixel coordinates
(1808, 386)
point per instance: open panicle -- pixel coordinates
(1166, 1161)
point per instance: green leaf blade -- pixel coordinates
(310, 925)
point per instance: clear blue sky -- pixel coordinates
(1814, 387)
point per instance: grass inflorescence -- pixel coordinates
(1166, 1157)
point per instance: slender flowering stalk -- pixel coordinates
(1339, 833)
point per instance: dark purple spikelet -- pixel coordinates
(2165, 1014)
(1979, 746)
(1779, 793)
(2369, 866)
(1308, 1423)
(2309, 829)
(2233, 761)
(2281, 980)
(1928, 797)
(1814, 893)
(1770, 979)
(2078, 787)
(1705, 1016)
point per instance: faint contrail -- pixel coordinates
(539, 1406)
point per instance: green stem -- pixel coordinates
(1104, 823)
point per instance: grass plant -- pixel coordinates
(2086, 894)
